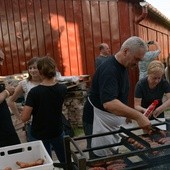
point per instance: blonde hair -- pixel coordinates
(155, 67)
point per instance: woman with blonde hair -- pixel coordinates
(153, 87)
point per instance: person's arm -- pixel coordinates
(166, 74)
(157, 46)
(137, 105)
(11, 102)
(118, 108)
(153, 54)
(26, 113)
(29, 105)
(6, 93)
(138, 96)
(162, 107)
(3, 95)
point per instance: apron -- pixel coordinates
(105, 122)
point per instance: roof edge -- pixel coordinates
(156, 12)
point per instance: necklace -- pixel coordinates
(48, 83)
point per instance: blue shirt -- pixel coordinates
(143, 65)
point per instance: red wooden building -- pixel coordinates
(71, 30)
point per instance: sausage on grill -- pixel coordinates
(97, 168)
(135, 143)
(116, 166)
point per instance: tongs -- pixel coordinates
(152, 128)
(159, 120)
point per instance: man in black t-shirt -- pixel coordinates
(8, 135)
(110, 87)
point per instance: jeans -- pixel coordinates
(58, 146)
(29, 137)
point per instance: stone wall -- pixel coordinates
(74, 103)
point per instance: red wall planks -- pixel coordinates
(71, 39)
(88, 36)
(79, 35)
(114, 26)
(70, 31)
(96, 26)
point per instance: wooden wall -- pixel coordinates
(152, 29)
(68, 30)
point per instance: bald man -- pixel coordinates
(104, 53)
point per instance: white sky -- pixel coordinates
(162, 5)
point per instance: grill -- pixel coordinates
(148, 157)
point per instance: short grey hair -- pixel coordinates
(134, 43)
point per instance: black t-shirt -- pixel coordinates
(46, 102)
(8, 134)
(100, 60)
(148, 95)
(110, 82)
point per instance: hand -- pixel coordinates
(10, 89)
(150, 42)
(20, 108)
(143, 110)
(157, 112)
(143, 121)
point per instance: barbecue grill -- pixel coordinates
(154, 157)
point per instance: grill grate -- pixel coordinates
(134, 158)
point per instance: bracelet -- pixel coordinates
(7, 92)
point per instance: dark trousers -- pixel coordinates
(11, 139)
(88, 125)
(29, 137)
(58, 147)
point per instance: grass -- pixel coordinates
(78, 131)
